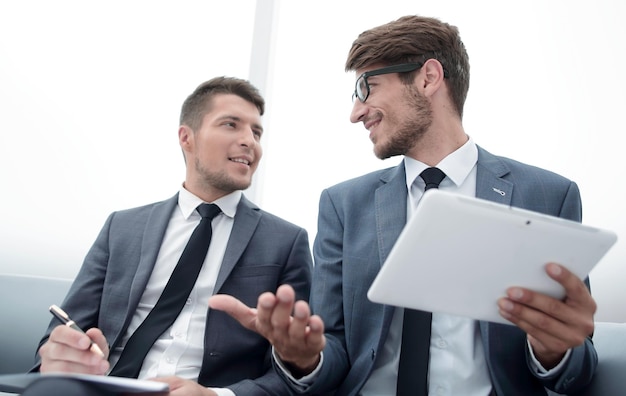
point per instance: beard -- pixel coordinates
(219, 180)
(410, 130)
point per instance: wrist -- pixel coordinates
(303, 368)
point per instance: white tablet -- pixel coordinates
(459, 254)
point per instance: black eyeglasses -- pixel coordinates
(362, 87)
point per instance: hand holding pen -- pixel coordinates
(65, 319)
(69, 351)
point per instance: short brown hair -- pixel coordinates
(199, 102)
(412, 39)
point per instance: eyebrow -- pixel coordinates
(238, 119)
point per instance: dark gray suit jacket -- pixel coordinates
(359, 222)
(263, 252)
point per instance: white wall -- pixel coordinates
(90, 95)
(90, 98)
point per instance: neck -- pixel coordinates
(207, 194)
(438, 144)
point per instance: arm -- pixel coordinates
(298, 339)
(553, 327)
(295, 276)
(64, 349)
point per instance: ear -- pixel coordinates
(432, 76)
(185, 138)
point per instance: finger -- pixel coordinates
(304, 340)
(71, 338)
(534, 322)
(558, 332)
(527, 302)
(173, 381)
(56, 356)
(64, 366)
(265, 307)
(281, 315)
(299, 325)
(243, 314)
(576, 291)
(98, 338)
(315, 338)
(577, 308)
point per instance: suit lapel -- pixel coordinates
(151, 244)
(390, 208)
(489, 182)
(246, 220)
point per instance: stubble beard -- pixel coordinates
(218, 180)
(411, 130)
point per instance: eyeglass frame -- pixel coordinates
(400, 68)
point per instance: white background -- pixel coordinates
(90, 95)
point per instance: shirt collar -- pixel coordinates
(456, 165)
(188, 202)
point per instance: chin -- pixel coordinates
(243, 185)
(381, 152)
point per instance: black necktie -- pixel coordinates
(172, 299)
(414, 350)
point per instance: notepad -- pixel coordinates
(17, 383)
(459, 254)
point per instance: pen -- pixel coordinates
(65, 319)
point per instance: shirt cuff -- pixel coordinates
(540, 370)
(303, 382)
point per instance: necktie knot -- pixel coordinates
(432, 177)
(208, 210)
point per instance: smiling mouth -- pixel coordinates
(240, 160)
(370, 124)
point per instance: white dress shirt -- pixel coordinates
(179, 350)
(457, 362)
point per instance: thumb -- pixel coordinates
(243, 314)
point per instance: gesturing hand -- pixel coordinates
(297, 340)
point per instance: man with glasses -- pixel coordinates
(413, 78)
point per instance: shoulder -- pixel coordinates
(247, 207)
(368, 181)
(145, 211)
(277, 221)
(508, 168)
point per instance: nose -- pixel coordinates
(359, 109)
(248, 138)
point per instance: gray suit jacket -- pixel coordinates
(359, 222)
(263, 252)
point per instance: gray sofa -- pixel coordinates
(24, 317)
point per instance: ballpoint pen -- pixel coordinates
(65, 319)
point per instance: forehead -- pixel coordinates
(222, 105)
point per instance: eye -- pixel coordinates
(231, 124)
(372, 83)
(257, 133)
